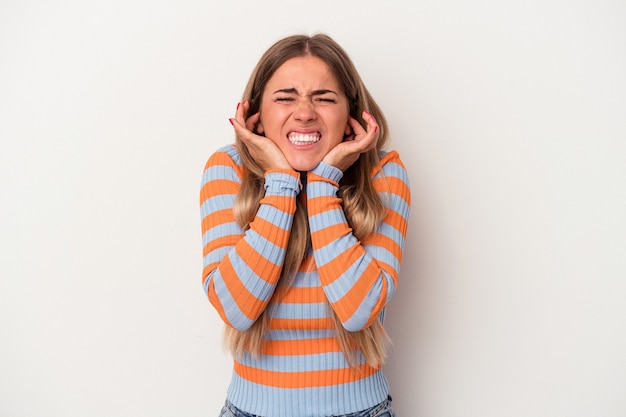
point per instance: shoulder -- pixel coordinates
(391, 177)
(224, 163)
(226, 155)
(391, 165)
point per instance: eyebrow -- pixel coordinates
(313, 93)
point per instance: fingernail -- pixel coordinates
(238, 104)
(232, 121)
(375, 129)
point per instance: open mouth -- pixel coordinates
(303, 138)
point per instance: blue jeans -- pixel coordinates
(381, 410)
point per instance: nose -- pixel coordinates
(304, 111)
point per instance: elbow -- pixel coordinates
(353, 328)
(240, 324)
(356, 323)
(230, 314)
(236, 320)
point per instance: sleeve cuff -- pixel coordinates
(328, 172)
(278, 181)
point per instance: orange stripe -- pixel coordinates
(329, 234)
(306, 379)
(285, 204)
(317, 205)
(396, 220)
(300, 324)
(229, 240)
(386, 242)
(388, 183)
(340, 264)
(301, 347)
(223, 158)
(216, 218)
(218, 187)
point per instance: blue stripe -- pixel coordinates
(393, 169)
(215, 255)
(219, 202)
(294, 334)
(268, 249)
(397, 204)
(383, 254)
(391, 232)
(329, 252)
(307, 280)
(326, 219)
(278, 218)
(231, 150)
(320, 189)
(219, 231)
(220, 172)
(298, 363)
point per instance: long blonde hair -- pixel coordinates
(361, 203)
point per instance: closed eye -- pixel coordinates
(326, 100)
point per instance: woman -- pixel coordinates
(304, 221)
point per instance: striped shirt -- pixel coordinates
(302, 370)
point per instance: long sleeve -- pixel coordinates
(358, 277)
(241, 269)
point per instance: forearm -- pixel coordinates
(359, 277)
(241, 269)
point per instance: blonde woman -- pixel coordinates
(304, 220)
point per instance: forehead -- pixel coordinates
(303, 73)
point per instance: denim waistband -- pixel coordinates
(379, 410)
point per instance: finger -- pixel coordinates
(366, 136)
(369, 139)
(370, 120)
(240, 114)
(357, 129)
(252, 121)
(240, 130)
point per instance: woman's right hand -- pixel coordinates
(262, 149)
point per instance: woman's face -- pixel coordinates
(304, 111)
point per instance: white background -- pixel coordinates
(511, 119)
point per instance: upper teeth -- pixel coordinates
(303, 139)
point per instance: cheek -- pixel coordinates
(271, 121)
(341, 126)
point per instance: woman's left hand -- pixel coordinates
(346, 153)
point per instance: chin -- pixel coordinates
(304, 166)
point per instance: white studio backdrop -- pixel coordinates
(510, 117)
